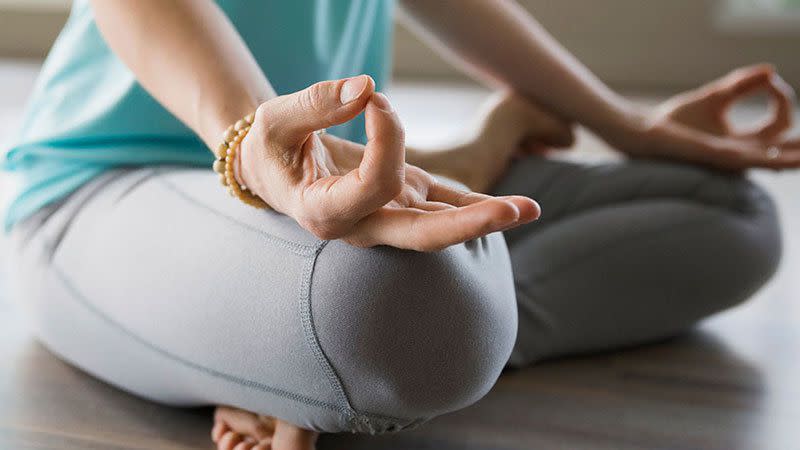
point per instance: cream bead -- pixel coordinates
(222, 149)
(226, 154)
(219, 166)
(230, 133)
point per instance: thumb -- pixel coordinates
(292, 117)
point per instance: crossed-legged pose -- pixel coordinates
(368, 290)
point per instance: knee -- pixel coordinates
(413, 335)
(743, 239)
(739, 217)
(753, 230)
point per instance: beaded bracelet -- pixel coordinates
(226, 155)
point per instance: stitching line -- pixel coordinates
(81, 299)
(310, 332)
(298, 249)
(350, 415)
(358, 421)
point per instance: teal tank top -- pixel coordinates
(88, 113)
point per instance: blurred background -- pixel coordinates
(647, 48)
(629, 43)
(635, 44)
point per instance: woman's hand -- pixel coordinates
(365, 195)
(707, 108)
(694, 126)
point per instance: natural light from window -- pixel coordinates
(760, 16)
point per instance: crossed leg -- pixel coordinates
(632, 252)
(625, 253)
(347, 339)
(505, 123)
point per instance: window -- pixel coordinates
(760, 16)
(46, 5)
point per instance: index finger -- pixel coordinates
(782, 99)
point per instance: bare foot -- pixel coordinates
(237, 429)
(507, 124)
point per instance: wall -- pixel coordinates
(662, 44)
(641, 43)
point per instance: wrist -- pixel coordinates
(627, 127)
(228, 162)
(242, 165)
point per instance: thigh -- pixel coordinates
(566, 189)
(132, 277)
(631, 252)
(156, 281)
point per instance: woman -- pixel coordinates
(315, 314)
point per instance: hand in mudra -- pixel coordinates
(695, 126)
(707, 108)
(365, 195)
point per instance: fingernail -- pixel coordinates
(352, 89)
(511, 220)
(381, 101)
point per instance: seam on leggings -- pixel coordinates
(146, 175)
(294, 247)
(357, 421)
(52, 243)
(81, 299)
(312, 339)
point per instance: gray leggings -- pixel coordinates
(156, 281)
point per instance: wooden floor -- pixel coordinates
(732, 384)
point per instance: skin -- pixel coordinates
(366, 195)
(383, 192)
(537, 67)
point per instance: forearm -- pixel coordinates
(189, 57)
(499, 42)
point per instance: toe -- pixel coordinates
(219, 429)
(245, 445)
(229, 440)
(246, 423)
